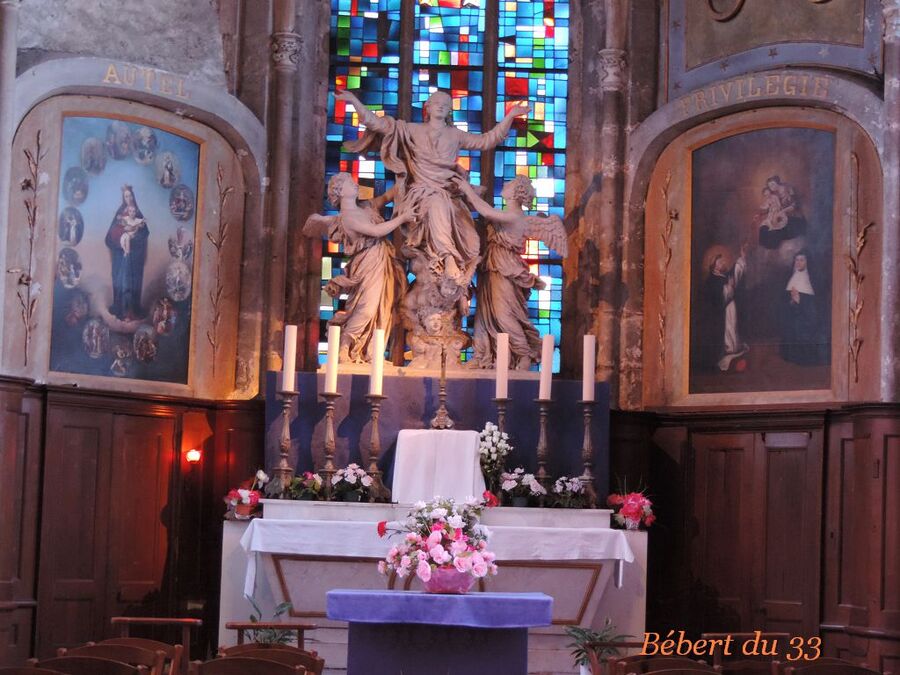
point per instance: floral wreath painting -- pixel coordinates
(125, 233)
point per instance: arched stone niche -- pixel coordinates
(659, 228)
(197, 258)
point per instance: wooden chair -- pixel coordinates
(646, 664)
(29, 671)
(126, 622)
(136, 656)
(240, 650)
(603, 665)
(682, 671)
(281, 653)
(89, 665)
(241, 626)
(750, 667)
(738, 642)
(843, 668)
(173, 653)
(238, 665)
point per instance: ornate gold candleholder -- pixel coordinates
(283, 472)
(501, 412)
(378, 490)
(441, 419)
(328, 471)
(587, 456)
(542, 476)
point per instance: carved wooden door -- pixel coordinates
(757, 509)
(105, 538)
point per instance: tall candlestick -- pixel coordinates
(546, 367)
(331, 365)
(502, 365)
(289, 362)
(377, 376)
(589, 359)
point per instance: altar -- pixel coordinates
(300, 550)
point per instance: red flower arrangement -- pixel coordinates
(631, 510)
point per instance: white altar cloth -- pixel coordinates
(433, 462)
(360, 539)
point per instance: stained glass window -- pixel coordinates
(446, 51)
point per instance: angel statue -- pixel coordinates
(504, 282)
(373, 278)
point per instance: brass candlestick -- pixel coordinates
(378, 490)
(329, 469)
(587, 456)
(542, 475)
(283, 471)
(441, 419)
(501, 413)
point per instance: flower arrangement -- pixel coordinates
(519, 486)
(243, 501)
(493, 447)
(568, 493)
(308, 486)
(351, 483)
(439, 536)
(631, 510)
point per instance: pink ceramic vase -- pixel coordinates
(449, 580)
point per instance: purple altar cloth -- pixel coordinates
(473, 610)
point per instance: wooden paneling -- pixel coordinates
(75, 530)
(20, 436)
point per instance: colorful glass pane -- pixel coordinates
(533, 35)
(365, 30)
(449, 33)
(545, 126)
(547, 171)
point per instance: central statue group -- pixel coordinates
(433, 203)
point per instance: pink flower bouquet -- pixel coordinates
(440, 536)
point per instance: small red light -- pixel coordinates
(193, 456)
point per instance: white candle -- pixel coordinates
(546, 367)
(375, 380)
(289, 362)
(502, 365)
(331, 365)
(589, 358)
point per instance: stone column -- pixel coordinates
(285, 53)
(890, 232)
(9, 21)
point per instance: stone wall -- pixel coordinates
(181, 36)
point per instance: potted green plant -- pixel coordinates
(520, 488)
(269, 636)
(591, 646)
(307, 487)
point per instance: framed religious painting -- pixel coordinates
(128, 236)
(126, 227)
(754, 263)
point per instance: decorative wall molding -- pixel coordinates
(613, 63)
(27, 289)
(218, 241)
(666, 237)
(286, 50)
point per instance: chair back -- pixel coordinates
(683, 671)
(173, 652)
(239, 665)
(750, 667)
(136, 656)
(842, 668)
(312, 663)
(28, 671)
(738, 640)
(645, 664)
(91, 665)
(309, 660)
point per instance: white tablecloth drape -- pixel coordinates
(360, 539)
(433, 462)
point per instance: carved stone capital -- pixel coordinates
(891, 11)
(286, 50)
(613, 64)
